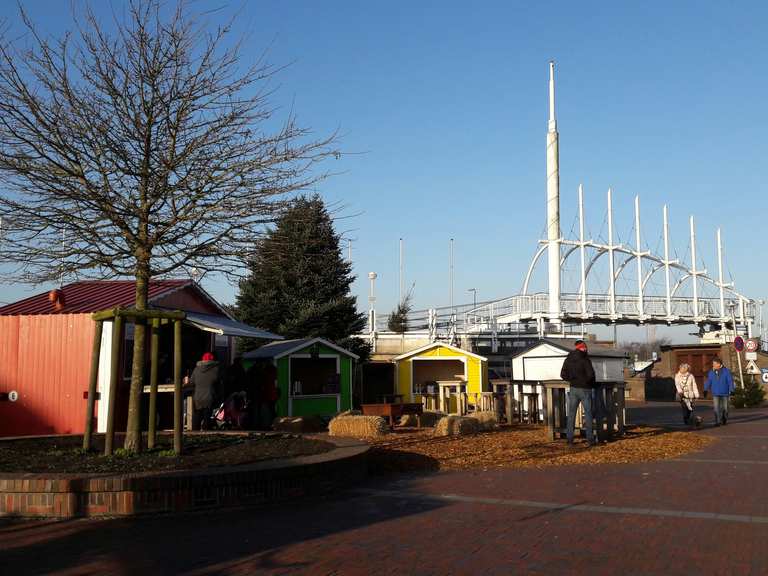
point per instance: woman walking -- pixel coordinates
(688, 392)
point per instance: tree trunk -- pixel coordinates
(133, 432)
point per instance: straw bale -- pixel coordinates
(428, 419)
(487, 420)
(299, 424)
(358, 426)
(456, 426)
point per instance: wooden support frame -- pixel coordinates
(117, 338)
(153, 369)
(178, 415)
(92, 384)
(157, 317)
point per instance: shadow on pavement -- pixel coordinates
(215, 542)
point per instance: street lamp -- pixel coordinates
(474, 296)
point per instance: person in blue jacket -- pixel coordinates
(720, 382)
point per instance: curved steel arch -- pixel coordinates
(601, 249)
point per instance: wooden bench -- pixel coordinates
(393, 411)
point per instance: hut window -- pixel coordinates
(311, 376)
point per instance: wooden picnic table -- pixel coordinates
(393, 411)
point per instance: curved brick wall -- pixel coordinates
(71, 495)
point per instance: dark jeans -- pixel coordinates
(581, 396)
(201, 418)
(599, 410)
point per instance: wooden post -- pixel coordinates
(177, 400)
(95, 355)
(114, 377)
(154, 347)
(550, 412)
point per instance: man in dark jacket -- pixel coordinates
(205, 380)
(578, 371)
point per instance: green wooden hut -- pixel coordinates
(314, 376)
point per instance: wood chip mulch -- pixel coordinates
(522, 447)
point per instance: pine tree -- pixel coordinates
(398, 319)
(299, 282)
(750, 395)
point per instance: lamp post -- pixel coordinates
(474, 296)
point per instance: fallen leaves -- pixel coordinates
(522, 447)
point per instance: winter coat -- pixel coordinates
(686, 385)
(205, 379)
(578, 370)
(720, 382)
(234, 380)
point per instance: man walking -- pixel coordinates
(720, 382)
(578, 371)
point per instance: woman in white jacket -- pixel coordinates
(687, 392)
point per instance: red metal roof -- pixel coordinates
(92, 295)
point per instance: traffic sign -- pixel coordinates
(738, 343)
(752, 345)
(765, 375)
(753, 368)
(750, 355)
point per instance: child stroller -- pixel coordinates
(232, 413)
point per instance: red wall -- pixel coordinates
(46, 359)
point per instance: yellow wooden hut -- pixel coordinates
(440, 370)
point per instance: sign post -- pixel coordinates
(738, 344)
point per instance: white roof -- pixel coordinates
(280, 349)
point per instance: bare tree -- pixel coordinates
(644, 350)
(139, 151)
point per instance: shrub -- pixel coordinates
(751, 395)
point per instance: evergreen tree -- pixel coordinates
(398, 319)
(299, 282)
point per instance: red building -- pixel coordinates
(46, 343)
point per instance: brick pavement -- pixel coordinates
(704, 513)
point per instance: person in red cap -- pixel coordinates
(578, 371)
(205, 380)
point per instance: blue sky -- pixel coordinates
(444, 106)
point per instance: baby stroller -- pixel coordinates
(232, 413)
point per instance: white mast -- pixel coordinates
(694, 273)
(553, 203)
(582, 254)
(611, 261)
(402, 278)
(639, 254)
(667, 263)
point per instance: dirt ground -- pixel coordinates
(64, 455)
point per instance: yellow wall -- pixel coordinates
(477, 371)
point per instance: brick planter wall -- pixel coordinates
(71, 495)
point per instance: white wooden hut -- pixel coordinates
(543, 361)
